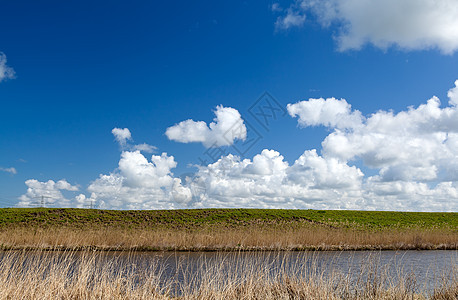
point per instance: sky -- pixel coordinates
(301, 104)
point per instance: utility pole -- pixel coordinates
(43, 200)
(91, 204)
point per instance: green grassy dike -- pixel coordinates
(225, 230)
(190, 218)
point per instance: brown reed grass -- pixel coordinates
(224, 238)
(95, 275)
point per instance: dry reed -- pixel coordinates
(96, 275)
(221, 238)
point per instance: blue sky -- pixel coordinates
(83, 69)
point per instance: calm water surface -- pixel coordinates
(426, 269)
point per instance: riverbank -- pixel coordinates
(225, 230)
(102, 275)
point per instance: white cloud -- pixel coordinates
(122, 135)
(6, 72)
(64, 185)
(144, 148)
(9, 170)
(268, 181)
(136, 184)
(410, 195)
(330, 113)
(407, 24)
(140, 184)
(81, 201)
(50, 192)
(141, 173)
(453, 95)
(228, 126)
(265, 181)
(413, 145)
(325, 173)
(292, 18)
(413, 154)
(415, 151)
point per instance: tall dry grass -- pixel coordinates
(96, 275)
(217, 238)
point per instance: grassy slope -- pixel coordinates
(82, 218)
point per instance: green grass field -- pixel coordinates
(194, 218)
(225, 229)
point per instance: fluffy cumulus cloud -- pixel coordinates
(124, 139)
(47, 193)
(453, 95)
(6, 72)
(330, 113)
(226, 127)
(407, 24)
(414, 151)
(416, 144)
(269, 181)
(410, 157)
(139, 183)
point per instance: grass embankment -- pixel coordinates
(93, 275)
(225, 229)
